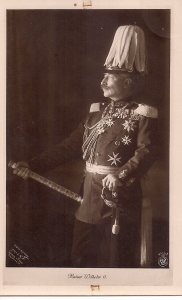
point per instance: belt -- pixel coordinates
(103, 170)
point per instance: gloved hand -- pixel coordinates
(112, 182)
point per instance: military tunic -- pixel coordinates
(120, 136)
(125, 140)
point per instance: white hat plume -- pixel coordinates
(128, 50)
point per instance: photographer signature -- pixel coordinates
(18, 255)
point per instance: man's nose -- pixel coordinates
(103, 82)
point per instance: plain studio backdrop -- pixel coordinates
(54, 69)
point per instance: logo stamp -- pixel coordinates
(163, 259)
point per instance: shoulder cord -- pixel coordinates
(90, 139)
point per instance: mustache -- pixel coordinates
(103, 86)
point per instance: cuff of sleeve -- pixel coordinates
(123, 174)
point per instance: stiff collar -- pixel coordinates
(122, 102)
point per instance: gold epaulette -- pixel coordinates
(146, 111)
(95, 107)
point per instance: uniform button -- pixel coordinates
(97, 154)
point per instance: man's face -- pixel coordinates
(115, 86)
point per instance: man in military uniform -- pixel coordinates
(117, 143)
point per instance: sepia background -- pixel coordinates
(54, 69)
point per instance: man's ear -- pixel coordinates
(127, 82)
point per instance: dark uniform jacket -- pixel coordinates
(120, 135)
